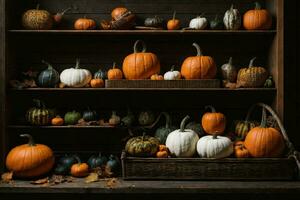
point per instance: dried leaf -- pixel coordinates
(108, 172)
(30, 83)
(57, 179)
(61, 85)
(41, 181)
(93, 177)
(112, 183)
(229, 85)
(7, 177)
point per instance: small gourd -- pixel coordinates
(38, 115)
(155, 21)
(37, 19)
(97, 83)
(79, 169)
(162, 132)
(71, 118)
(213, 122)
(173, 24)
(269, 83)
(90, 115)
(240, 150)
(96, 161)
(229, 72)
(156, 77)
(129, 119)
(198, 23)
(114, 73)
(67, 161)
(49, 77)
(114, 119)
(146, 118)
(57, 121)
(216, 24)
(100, 74)
(113, 164)
(84, 24)
(232, 19)
(172, 74)
(163, 152)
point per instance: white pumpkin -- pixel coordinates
(213, 146)
(75, 77)
(232, 19)
(172, 75)
(182, 142)
(198, 23)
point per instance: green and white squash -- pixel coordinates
(90, 115)
(162, 132)
(71, 118)
(182, 142)
(232, 19)
(100, 74)
(76, 77)
(49, 77)
(213, 146)
(198, 23)
(38, 115)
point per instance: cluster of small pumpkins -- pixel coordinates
(34, 160)
(258, 141)
(122, 18)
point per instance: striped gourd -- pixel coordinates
(49, 77)
(38, 115)
(232, 19)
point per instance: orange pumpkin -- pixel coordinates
(199, 66)
(173, 24)
(84, 24)
(97, 83)
(118, 12)
(156, 77)
(240, 151)
(213, 122)
(163, 151)
(257, 19)
(114, 73)
(57, 121)
(30, 160)
(264, 142)
(79, 169)
(140, 65)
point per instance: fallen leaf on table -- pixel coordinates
(112, 182)
(93, 177)
(107, 172)
(41, 181)
(69, 179)
(57, 179)
(7, 177)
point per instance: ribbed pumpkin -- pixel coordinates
(49, 77)
(242, 128)
(213, 122)
(240, 151)
(214, 146)
(84, 24)
(264, 142)
(142, 146)
(229, 72)
(30, 160)
(36, 19)
(39, 114)
(232, 19)
(71, 118)
(257, 19)
(162, 132)
(79, 169)
(97, 161)
(140, 64)
(199, 66)
(90, 115)
(252, 76)
(75, 77)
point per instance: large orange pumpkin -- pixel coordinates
(199, 66)
(213, 122)
(257, 19)
(264, 142)
(140, 65)
(30, 160)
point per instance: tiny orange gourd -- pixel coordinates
(173, 24)
(156, 77)
(240, 150)
(213, 122)
(57, 121)
(84, 24)
(97, 83)
(114, 73)
(163, 151)
(79, 169)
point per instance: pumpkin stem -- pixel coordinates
(48, 64)
(135, 49)
(114, 65)
(168, 119)
(231, 7)
(230, 61)
(65, 10)
(77, 63)
(251, 62)
(183, 122)
(215, 136)
(30, 139)
(172, 68)
(263, 123)
(37, 6)
(77, 159)
(199, 53)
(144, 135)
(174, 15)
(213, 110)
(257, 6)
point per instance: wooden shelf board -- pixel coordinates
(58, 127)
(144, 89)
(178, 187)
(143, 32)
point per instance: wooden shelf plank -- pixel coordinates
(142, 89)
(178, 187)
(59, 127)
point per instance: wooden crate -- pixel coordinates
(209, 169)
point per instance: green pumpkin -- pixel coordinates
(71, 118)
(196, 127)
(61, 170)
(269, 83)
(113, 164)
(216, 24)
(242, 128)
(154, 22)
(67, 161)
(100, 74)
(162, 132)
(142, 146)
(129, 119)
(39, 114)
(146, 118)
(49, 77)
(90, 115)
(97, 161)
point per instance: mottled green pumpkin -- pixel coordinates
(196, 127)
(90, 115)
(38, 115)
(71, 118)
(129, 119)
(162, 132)
(146, 118)
(142, 146)
(97, 161)
(49, 77)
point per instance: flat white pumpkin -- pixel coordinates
(213, 146)
(182, 142)
(172, 75)
(232, 19)
(75, 77)
(198, 23)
